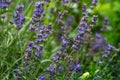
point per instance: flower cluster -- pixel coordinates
(98, 43)
(43, 33)
(64, 62)
(35, 49)
(4, 4)
(107, 53)
(38, 15)
(19, 18)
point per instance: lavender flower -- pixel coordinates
(70, 20)
(56, 59)
(19, 18)
(108, 51)
(40, 51)
(62, 14)
(65, 2)
(100, 62)
(43, 77)
(61, 68)
(38, 14)
(78, 68)
(19, 76)
(52, 10)
(4, 4)
(29, 53)
(84, 9)
(51, 70)
(65, 44)
(98, 43)
(94, 2)
(106, 54)
(95, 17)
(44, 33)
(79, 39)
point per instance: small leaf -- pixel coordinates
(46, 60)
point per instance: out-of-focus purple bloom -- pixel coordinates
(38, 54)
(56, 59)
(66, 1)
(43, 77)
(98, 43)
(52, 9)
(94, 2)
(70, 20)
(4, 4)
(104, 56)
(19, 75)
(76, 67)
(110, 47)
(100, 62)
(61, 68)
(51, 69)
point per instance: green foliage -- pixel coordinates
(13, 43)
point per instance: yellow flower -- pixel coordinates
(85, 75)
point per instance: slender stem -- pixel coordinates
(111, 60)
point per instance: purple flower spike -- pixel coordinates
(37, 16)
(19, 18)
